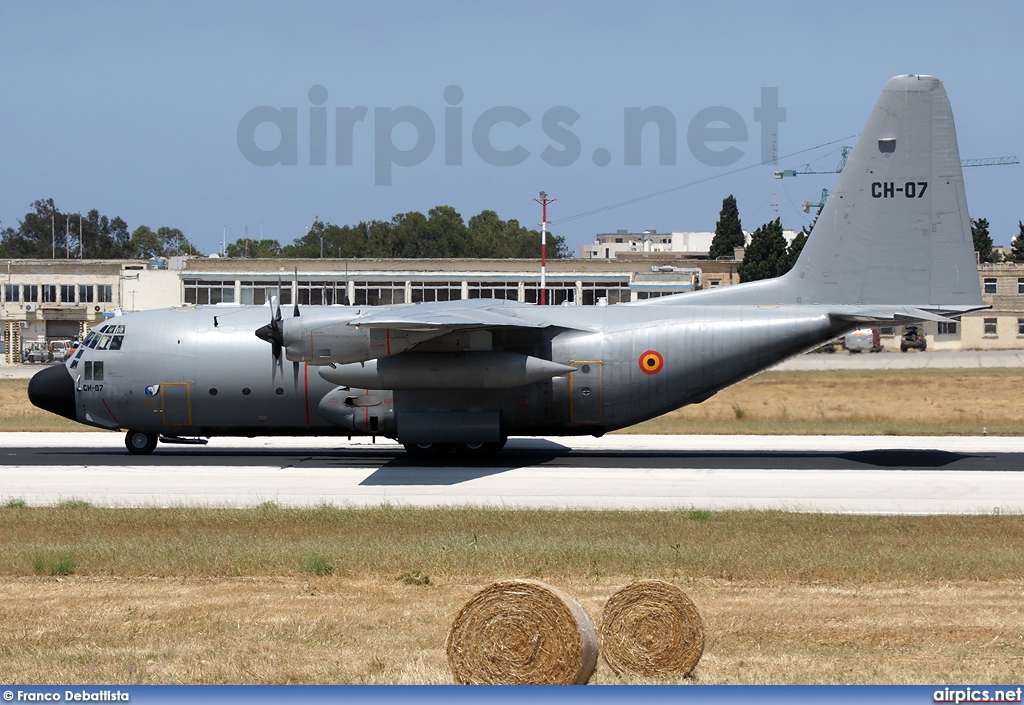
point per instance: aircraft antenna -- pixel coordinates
(544, 201)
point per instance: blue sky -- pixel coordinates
(135, 108)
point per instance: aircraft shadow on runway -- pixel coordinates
(402, 470)
(395, 468)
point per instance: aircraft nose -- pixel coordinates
(53, 389)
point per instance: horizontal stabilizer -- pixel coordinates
(895, 314)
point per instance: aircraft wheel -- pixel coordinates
(139, 443)
(428, 450)
(479, 450)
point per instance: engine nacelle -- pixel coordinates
(462, 370)
(341, 342)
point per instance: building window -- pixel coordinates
(493, 290)
(31, 293)
(379, 293)
(85, 293)
(1020, 285)
(12, 293)
(104, 293)
(991, 285)
(991, 329)
(67, 293)
(614, 292)
(947, 328)
(1020, 326)
(558, 293)
(887, 331)
(199, 292)
(48, 293)
(715, 282)
(321, 293)
(436, 291)
(258, 293)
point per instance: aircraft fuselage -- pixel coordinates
(202, 372)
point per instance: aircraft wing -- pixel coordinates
(885, 314)
(451, 315)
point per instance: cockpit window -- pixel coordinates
(109, 337)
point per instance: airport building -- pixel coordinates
(45, 301)
(651, 244)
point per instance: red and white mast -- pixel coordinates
(544, 201)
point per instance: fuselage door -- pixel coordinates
(176, 398)
(585, 403)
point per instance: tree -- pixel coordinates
(983, 241)
(247, 247)
(165, 242)
(765, 258)
(1017, 245)
(728, 230)
(47, 232)
(796, 247)
(145, 243)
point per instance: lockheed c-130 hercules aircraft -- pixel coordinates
(892, 245)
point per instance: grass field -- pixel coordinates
(329, 595)
(274, 595)
(965, 402)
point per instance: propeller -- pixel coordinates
(273, 333)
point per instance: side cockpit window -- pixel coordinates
(93, 371)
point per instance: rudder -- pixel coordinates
(895, 231)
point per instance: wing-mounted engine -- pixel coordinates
(340, 338)
(349, 335)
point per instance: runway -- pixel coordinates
(805, 474)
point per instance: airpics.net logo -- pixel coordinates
(408, 136)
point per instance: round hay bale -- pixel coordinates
(651, 629)
(522, 632)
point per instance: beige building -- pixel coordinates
(651, 243)
(50, 300)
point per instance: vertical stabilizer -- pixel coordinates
(895, 230)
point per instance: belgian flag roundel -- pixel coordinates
(651, 362)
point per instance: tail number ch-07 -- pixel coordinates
(889, 189)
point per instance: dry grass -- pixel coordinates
(925, 402)
(18, 414)
(231, 596)
(379, 630)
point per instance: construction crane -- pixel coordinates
(845, 151)
(819, 205)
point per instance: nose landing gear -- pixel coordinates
(140, 443)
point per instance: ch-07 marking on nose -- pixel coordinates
(889, 189)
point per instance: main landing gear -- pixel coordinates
(139, 443)
(438, 450)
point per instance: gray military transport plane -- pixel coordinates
(892, 245)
